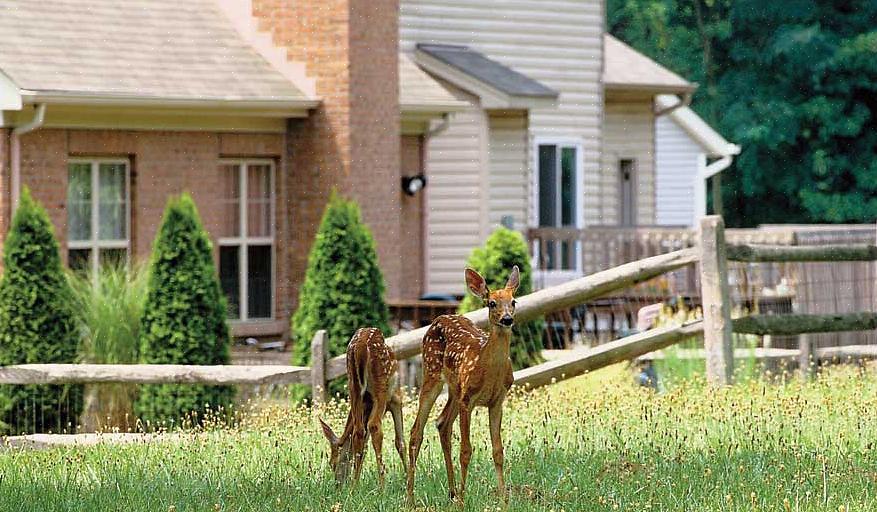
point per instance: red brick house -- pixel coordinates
(258, 108)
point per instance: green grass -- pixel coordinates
(594, 443)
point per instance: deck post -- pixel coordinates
(716, 299)
(319, 379)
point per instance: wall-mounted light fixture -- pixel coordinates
(413, 184)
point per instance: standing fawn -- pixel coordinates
(478, 371)
(373, 386)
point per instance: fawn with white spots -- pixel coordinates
(374, 390)
(477, 368)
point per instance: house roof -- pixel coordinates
(175, 52)
(497, 84)
(626, 69)
(419, 92)
(713, 143)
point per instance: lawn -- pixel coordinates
(593, 443)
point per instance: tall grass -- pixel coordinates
(110, 307)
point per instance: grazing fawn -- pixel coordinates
(478, 371)
(373, 386)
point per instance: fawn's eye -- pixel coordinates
(491, 304)
(514, 303)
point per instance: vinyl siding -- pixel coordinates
(557, 42)
(456, 206)
(508, 189)
(628, 133)
(677, 161)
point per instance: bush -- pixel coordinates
(184, 317)
(37, 324)
(110, 308)
(503, 250)
(343, 288)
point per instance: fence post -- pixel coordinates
(318, 367)
(716, 299)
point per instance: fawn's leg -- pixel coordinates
(445, 426)
(495, 414)
(465, 444)
(432, 386)
(395, 406)
(359, 433)
(377, 432)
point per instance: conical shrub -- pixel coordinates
(184, 318)
(503, 250)
(343, 288)
(37, 324)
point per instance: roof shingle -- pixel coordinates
(625, 67)
(156, 49)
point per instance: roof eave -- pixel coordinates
(281, 107)
(650, 88)
(439, 109)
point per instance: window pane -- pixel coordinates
(113, 257)
(568, 193)
(78, 260)
(547, 186)
(258, 200)
(229, 277)
(79, 202)
(229, 180)
(112, 210)
(259, 281)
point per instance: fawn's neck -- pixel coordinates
(498, 343)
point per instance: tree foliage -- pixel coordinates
(794, 83)
(37, 324)
(183, 320)
(503, 250)
(343, 288)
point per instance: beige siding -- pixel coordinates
(677, 166)
(508, 189)
(557, 42)
(456, 205)
(628, 133)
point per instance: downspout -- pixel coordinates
(710, 171)
(17, 132)
(446, 120)
(684, 102)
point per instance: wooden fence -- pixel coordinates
(711, 251)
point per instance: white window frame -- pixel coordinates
(560, 143)
(95, 244)
(243, 240)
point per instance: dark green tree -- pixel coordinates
(184, 317)
(794, 83)
(37, 324)
(343, 288)
(503, 250)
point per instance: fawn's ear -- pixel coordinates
(327, 432)
(514, 280)
(476, 284)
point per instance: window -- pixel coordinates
(559, 200)
(97, 213)
(627, 196)
(246, 242)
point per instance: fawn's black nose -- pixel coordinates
(507, 320)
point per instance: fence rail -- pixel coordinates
(711, 252)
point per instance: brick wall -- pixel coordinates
(351, 142)
(412, 240)
(162, 164)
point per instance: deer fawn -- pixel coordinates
(373, 386)
(478, 371)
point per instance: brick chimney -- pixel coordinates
(351, 142)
